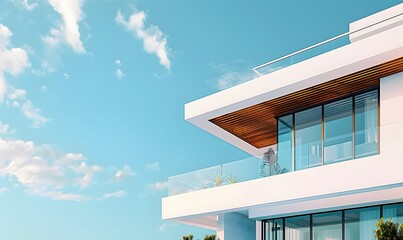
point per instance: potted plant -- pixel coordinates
(233, 178)
(188, 237)
(217, 180)
(387, 230)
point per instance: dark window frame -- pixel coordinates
(353, 96)
(263, 222)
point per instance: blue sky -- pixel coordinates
(92, 95)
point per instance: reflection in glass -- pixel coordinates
(284, 145)
(327, 226)
(274, 229)
(360, 223)
(338, 128)
(395, 212)
(366, 124)
(297, 228)
(308, 138)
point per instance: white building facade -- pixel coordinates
(326, 138)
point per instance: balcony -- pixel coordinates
(220, 175)
(336, 131)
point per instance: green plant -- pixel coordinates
(386, 230)
(211, 237)
(217, 180)
(400, 232)
(188, 237)
(232, 178)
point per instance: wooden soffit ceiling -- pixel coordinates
(257, 124)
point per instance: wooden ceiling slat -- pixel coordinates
(257, 124)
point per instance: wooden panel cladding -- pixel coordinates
(257, 124)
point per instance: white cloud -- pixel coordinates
(67, 32)
(43, 170)
(16, 94)
(232, 73)
(124, 173)
(5, 129)
(20, 101)
(155, 166)
(58, 195)
(154, 40)
(88, 174)
(25, 4)
(12, 60)
(3, 189)
(45, 68)
(44, 88)
(119, 73)
(117, 194)
(158, 186)
(166, 226)
(34, 114)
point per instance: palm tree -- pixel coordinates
(211, 237)
(188, 237)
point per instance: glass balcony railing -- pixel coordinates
(316, 49)
(279, 160)
(229, 173)
(294, 58)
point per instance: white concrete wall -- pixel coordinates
(343, 181)
(235, 226)
(348, 178)
(391, 109)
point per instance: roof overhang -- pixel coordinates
(361, 64)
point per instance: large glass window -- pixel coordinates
(298, 228)
(327, 226)
(360, 223)
(395, 212)
(338, 131)
(308, 138)
(274, 229)
(284, 145)
(366, 124)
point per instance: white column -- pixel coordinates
(235, 226)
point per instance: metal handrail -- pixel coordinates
(255, 69)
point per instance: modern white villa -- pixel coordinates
(324, 128)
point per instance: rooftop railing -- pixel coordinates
(314, 50)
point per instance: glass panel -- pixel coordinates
(338, 131)
(366, 124)
(308, 138)
(297, 228)
(360, 223)
(395, 212)
(284, 144)
(274, 229)
(327, 226)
